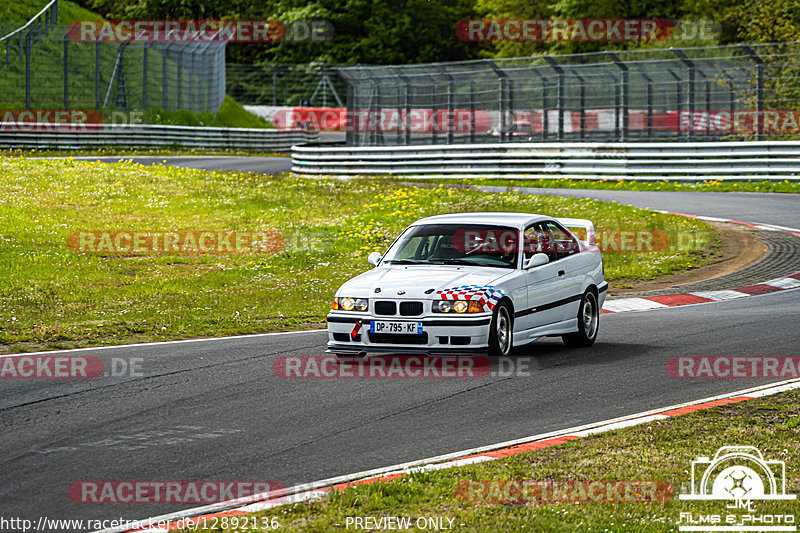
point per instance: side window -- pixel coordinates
(537, 239)
(564, 244)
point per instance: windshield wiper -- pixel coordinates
(404, 262)
(457, 262)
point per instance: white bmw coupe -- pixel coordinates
(472, 283)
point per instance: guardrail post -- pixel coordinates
(690, 95)
(759, 89)
(624, 89)
(560, 95)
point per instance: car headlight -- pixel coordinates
(458, 306)
(350, 304)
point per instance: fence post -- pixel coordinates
(582, 104)
(66, 71)
(180, 79)
(472, 123)
(28, 49)
(451, 89)
(97, 75)
(274, 86)
(503, 78)
(350, 119)
(759, 89)
(559, 95)
(624, 89)
(144, 76)
(690, 89)
(677, 102)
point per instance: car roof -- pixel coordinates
(519, 220)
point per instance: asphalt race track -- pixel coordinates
(214, 410)
(262, 165)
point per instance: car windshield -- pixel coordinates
(456, 244)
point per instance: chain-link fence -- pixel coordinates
(46, 67)
(315, 84)
(693, 94)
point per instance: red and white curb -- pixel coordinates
(645, 303)
(311, 491)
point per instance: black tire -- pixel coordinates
(501, 331)
(588, 322)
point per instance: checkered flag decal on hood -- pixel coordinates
(486, 295)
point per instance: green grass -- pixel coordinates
(744, 185)
(21, 11)
(231, 114)
(658, 451)
(51, 297)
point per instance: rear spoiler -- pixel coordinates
(585, 229)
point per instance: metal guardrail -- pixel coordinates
(151, 136)
(648, 161)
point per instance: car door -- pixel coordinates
(571, 267)
(545, 287)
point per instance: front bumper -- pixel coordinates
(442, 335)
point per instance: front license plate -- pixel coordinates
(403, 328)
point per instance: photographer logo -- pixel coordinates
(741, 477)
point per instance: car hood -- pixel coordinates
(415, 280)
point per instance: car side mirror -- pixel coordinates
(374, 258)
(537, 260)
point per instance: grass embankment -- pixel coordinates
(658, 451)
(21, 11)
(51, 297)
(47, 78)
(743, 185)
